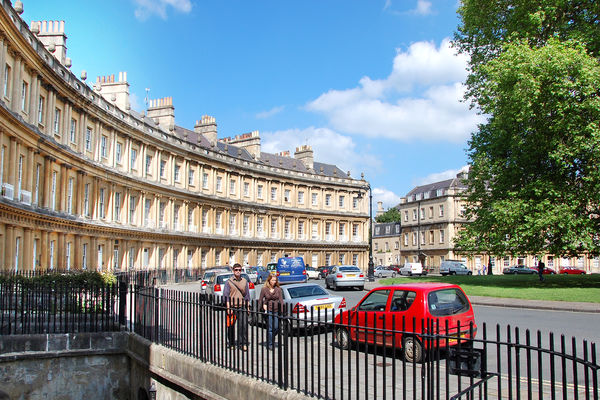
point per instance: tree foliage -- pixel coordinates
(534, 183)
(391, 215)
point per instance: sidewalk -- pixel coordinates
(520, 303)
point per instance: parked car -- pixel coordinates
(386, 313)
(571, 271)
(395, 268)
(345, 276)
(215, 283)
(546, 271)
(312, 273)
(211, 272)
(261, 274)
(384, 272)
(251, 272)
(518, 269)
(452, 267)
(412, 268)
(324, 271)
(308, 302)
(291, 270)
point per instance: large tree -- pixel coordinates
(534, 183)
(391, 215)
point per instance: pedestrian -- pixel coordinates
(236, 292)
(271, 301)
(541, 267)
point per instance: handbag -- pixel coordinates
(231, 318)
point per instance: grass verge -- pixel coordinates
(580, 288)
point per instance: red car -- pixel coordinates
(387, 313)
(546, 271)
(571, 271)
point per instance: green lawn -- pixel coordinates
(583, 288)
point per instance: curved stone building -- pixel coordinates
(88, 183)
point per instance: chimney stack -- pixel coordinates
(249, 141)
(163, 113)
(207, 127)
(304, 153)
(52, 35)
(114, 92)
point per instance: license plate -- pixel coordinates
(350, 275)
(454, 341)
(284, 273)
(323, 307)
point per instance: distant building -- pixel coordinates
(386, 243)
(89, 183)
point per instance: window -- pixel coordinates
(273, 194)
(405, 215)
(101, 203)
(355, 203)
(327, 199)
(175, 258)
(133, 158)
(204, 219)
(441, 236)
(355, 230)
(315, 231)
(286, 195)
(431, 237)
(86, 200)
(273, 227)
(218, 224)
(342, 229)
(414, 238)
(260, 225)
(176, 216)
(246, 224)
(103, 146)
(341, 201)
(117, 207)
(259, 191)
(205, 180)
(161, 257)
(422, 214)
(84, 256)
(219, 184)
(56, 120)
(191, 177)
(148, 164)
(41, 102)
(70, 196)
(190, 218)
(17, 248)
(286, 229)
(232, 227)
(441, 210)
(388, 229)
(342, 259)
(176, 173)
(386, 246)
(24, 96)
(300, 229)
(422, 234)
(100, 262)
(246, 189)
(300, 197)
(328, 229)
(73, 130)
(431, 212)
(315, 199)
(161, 214)
(406, 239)
(231, 186)
(147, 205)
(19, 176)
(163, 166)
(396, 245)
(132, 201)
(6, 80)
(37, 184)
(88, 139)
(52, 254)
(118, 152)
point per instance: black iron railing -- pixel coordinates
(310, 358)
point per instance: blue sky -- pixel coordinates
(372, 85)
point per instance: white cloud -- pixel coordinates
(388, 198)
(423, 8)
(420, 99)
(440, 176)
(329, 147)
(146, 8)
(270, 113)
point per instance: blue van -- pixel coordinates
(291, 270)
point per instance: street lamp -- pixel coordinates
(371, 269)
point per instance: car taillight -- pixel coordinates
(277, 273)
(217, 288)
(343, 303)
(339, 276)
(299, 308)
(303, 272)
(251, 285)
(361, 276)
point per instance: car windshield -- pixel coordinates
(447, 302)
(306, 291)
(349, 269)
(222, 278)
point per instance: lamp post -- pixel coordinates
(371, 266)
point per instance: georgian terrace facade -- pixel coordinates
(88, 183)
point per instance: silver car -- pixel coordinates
(216, 284)
(383, 272)
(345, 276)
(307, 302)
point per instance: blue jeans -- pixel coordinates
(272, 327)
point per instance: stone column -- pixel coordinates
(27, 253)
(15, 104)
(12, 165)
(59, 252)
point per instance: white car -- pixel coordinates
(251, 272)
(412, 268)
(312, 273)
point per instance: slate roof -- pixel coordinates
(432, 188)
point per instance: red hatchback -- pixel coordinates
(387, 314)
(571, 270)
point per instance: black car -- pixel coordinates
(324, 271)
(518, 269)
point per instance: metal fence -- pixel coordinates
(499, 363)
(58, 307)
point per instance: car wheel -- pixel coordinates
(361, 288)
(259, 280)
(452, 273)
(412, 349)
(343, 338)
(326, 283)
(286, 327)
(380, 275)
(393, 274)
(410, 273)
(334, 286)
(469, 273)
